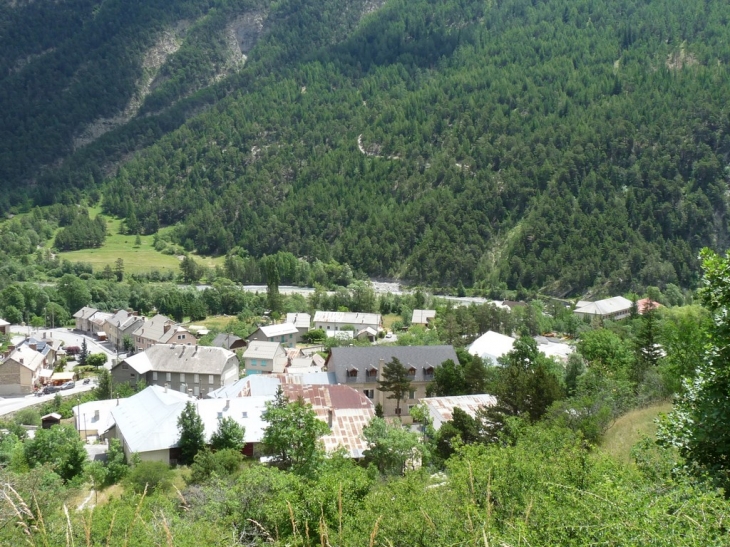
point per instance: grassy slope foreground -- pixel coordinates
(557, 144)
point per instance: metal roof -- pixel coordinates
(341, 359)
(180, 358)
(441, 409)
(299, 320)
(347, 318)
(280, 329)
(607, 306)
(421, 317)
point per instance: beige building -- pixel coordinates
(122, 323)
(21, 370)
(161, 330)
(336, 320)
(362, 368)
(264, 358)
(195, 370)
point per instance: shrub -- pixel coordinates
(152, 475)
(28, 416)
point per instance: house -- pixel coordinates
(264, 358)
(615, 308)
(94, 418)
(83, 317)
(20, 370)
(441, 409)
(362, 367)
(554, 348)
(284, 333)
(120, 325)
(645, 304)
(345, 410)
(50, 349)
(367, 333)
(423, 317)
(229, 341)
(301, 321)
(337, 320)
(49, 420)
(491, 345)
(146, 423)
(4, 327)
(161, 330)
(188, 369)
(97, 322)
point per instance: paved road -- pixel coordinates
(8, 405)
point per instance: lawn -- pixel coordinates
(137, 258)
(389, 319)
(630, 428)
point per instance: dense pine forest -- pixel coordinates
(554, 145)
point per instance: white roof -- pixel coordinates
(27, 357)
(86, 415)
(491, 345)
(3, 323)
(605, 307)
(421, 317)
(299, 320)
(261, 350)
(148, 420)
(554, 349)
(347, 318)
(441, 409)
(281, 329)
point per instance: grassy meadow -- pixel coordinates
(631, 428)
(137, 258)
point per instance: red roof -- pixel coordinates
(647, 304)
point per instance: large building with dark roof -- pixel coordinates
(362, 367)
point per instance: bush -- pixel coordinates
(28, 416)
(152, 475)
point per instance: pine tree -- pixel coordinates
(84, 353)
(395, 381)
(192, 431)
(647, 351)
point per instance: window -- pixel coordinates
(196, 391)
(369, 393)
(412, 394)
(372, 373)
(182, 377)
(125, 367)
(154, 375)
(352, 373)
(168, 376)
(244, 414)
(428, 373)
(398, 411)
(210, 379)
(411, 373)
(196, 379)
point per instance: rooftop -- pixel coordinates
(180, 358)
(422, 317)
(491, 345)
(280, 329)
(299, 320)
(261, 350)
(606, 306)
(441, 409)
(347, 318)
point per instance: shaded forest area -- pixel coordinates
(555, 145)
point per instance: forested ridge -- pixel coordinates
(552, 145)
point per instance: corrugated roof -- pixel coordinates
(347, 318)
(606, 306)
(86, 412)
(441, 409)
(280, 329)
(346, 410)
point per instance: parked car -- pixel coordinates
(86, 381)
(68, 385)
(49, 389)
(72, 350)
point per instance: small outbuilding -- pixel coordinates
(49, 420)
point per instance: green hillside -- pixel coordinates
(554, 145)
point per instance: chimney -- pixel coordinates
(117, 401)
(21, 360)
(165, 387)
(96, 415)
(228, 404)
(329, 417)
(166, 328)
(11, 347)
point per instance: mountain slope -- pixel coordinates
(557, 145)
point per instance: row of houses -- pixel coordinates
(146, 423)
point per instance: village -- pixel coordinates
(237, 378)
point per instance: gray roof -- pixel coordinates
(341, 359)
(122, 320)
(154, 329)
(85, 313)
(181, 358)
(280, 329)
(421, 317)
(300, 320)
(225, 340)
(261, 350)
(347, 318)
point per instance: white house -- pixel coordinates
(615, 308)
(336, 320)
